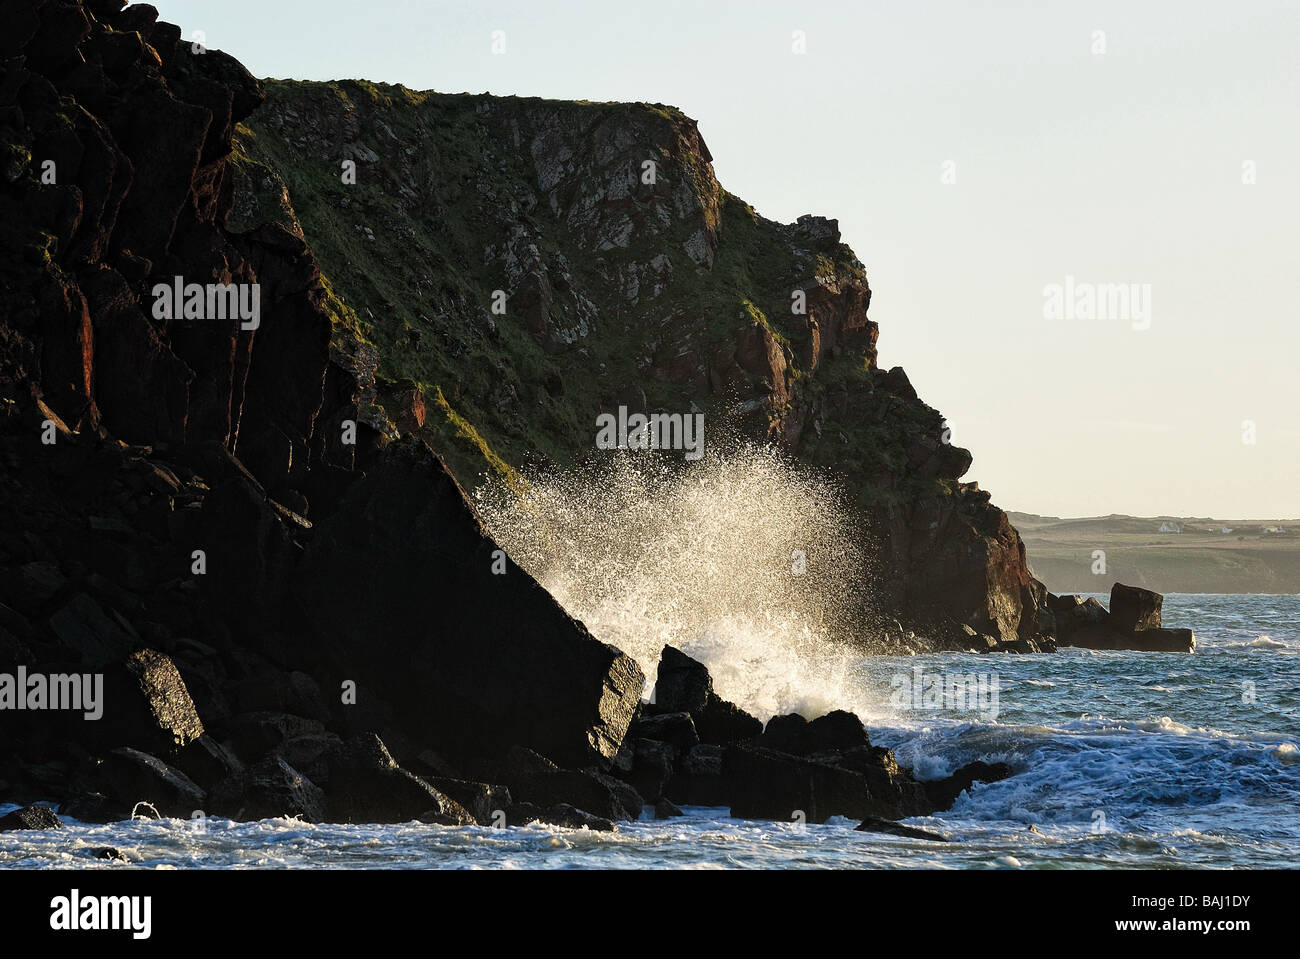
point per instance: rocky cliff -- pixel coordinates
(192, 500)
(622, 274)
(233, 576)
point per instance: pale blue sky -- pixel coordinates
(1119, 167)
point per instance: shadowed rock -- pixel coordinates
(270, 789)
(684, 685)
(367, 785)
(533, 778)
(486, 660)
(128, 777)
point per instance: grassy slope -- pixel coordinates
(418, 290)
(1196, 560)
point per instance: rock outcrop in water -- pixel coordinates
(791, 770)
(1132, 622)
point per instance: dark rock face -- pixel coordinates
(484, 801)
(367, 785)
(30, 817)
(182, 513)
(698, 780)
(489, 660)
(685, 686)
(675, 729)
(128, 777)
(653, 766)
(269, 789)
(148, 705)
(838, 730)
(1133, 609)
(765, 784)
(533, 778)
(664, 809)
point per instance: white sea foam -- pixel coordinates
(742, 560)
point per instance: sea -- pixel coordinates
(1122, 761)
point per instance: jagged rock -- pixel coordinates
(148, 706)
(305, 744)
(270, 789)
(483, 801)
(1147, 641)
(684, 685)
(562, 814)
(785, 733)
(90, 807)
(722, 723)
(533, 778)
(208, 762)
(1133, 609)
(30, 817)
(367, 785)
(83, 628)
(837, 730)
(1074, 613)
(506, 664)
(873, 824)
(129, 777)
(894, 792)
(277, 692)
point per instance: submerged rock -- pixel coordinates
(560, 814)
(872, 824)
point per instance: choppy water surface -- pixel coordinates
(1124, 760)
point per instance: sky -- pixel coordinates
(997, 165)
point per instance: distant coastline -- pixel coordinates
(1168, 554)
